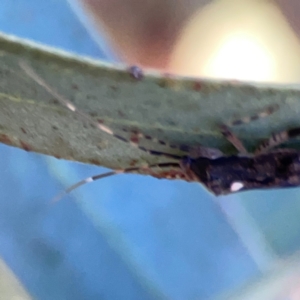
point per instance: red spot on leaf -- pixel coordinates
(197, 86)
(25, 146)
(94, 161)
(5, 139)
(134, 139)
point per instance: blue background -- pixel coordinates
(128, 236)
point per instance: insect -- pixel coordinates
(221, 174)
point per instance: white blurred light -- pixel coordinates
(241, 57)
(235, 39)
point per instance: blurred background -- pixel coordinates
(136, 237)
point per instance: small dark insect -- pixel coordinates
(136, 72)
(221, 174)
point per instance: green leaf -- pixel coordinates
(174, 109)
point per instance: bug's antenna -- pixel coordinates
(108, 174)
(233, 139)
(64, 101)
(84, 181)
(260, 115)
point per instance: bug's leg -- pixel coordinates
(115, 172)
(233, 139)
(133, 141)
(276, 139)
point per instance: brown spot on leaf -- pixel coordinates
(133, 162)
(121, 114)
(54, 101)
